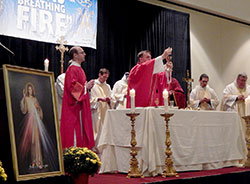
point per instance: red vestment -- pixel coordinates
(140, 78)
(159, 83)
(76, 104)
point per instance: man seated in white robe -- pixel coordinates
(59, 85)
(119, 92)
(235, 95)
(202, 96)
(100, 101)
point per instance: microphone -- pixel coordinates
(7, 49)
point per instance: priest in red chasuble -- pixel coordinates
(140, 76)
(164, 80)
(76, 122)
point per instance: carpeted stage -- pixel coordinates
(230, 175)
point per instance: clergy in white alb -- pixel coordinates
(59, 85)
(235, 95)
(100, 100)
(119, 92)
(202, 96)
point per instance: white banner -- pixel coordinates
(48, 20)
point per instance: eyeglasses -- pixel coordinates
(81, 52)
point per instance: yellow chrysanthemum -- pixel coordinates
(83, 159)
(93, 161)
(5, 177)
(2, 172)
(85, 149)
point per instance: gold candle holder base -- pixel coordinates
(247, 120)
(169, 169)
(134, 170)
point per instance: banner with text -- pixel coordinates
(49, 20)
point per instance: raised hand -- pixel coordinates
(24, 93)
(90, 84)
(166, 53)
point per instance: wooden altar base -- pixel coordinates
(230, 175)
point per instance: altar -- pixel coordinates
(201, 140)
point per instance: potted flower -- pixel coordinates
(80, 162)
(3, 176)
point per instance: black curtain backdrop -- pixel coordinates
(124, 29)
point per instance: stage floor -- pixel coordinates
(119, 178)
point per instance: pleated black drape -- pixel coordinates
(124, 28)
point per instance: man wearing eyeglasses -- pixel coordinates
(76, 121)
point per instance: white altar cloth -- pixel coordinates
(200, 140)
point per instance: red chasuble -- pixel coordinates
(160, 83)
(76, 107)
(140, 78)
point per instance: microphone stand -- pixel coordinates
(7, 49)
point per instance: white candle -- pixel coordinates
(165, 97)
(132, 100)
(46, 65)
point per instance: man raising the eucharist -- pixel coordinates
(141, 75)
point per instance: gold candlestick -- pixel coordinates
(169, 168)
(134, 171)
(247, 120)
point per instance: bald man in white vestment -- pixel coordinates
(100, 100)
(235, 97)
(202, 96)
(119, 92)
(59, 85)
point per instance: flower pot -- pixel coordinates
(82, 178)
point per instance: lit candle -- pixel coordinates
(46, 65)
(132, 100)
(165, 97)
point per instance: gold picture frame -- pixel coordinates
(33, 123)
